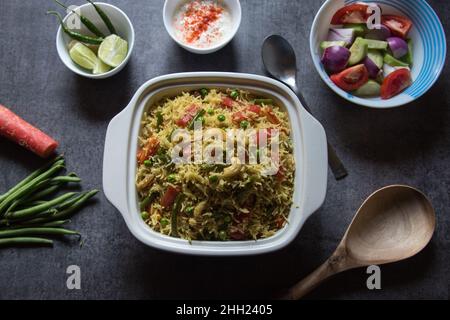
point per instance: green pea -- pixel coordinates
(145, 215)
(210, 111)
(148, 163)
(244, 124)
(234, 94)
(189, 210)
(227, 219)
(204, 92)
(213, 179)
(164, 222)
(223, 235)
(172, 178)
(221, 118)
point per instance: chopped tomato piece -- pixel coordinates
(399, 26)
(188, 116)
(169, 197)
(238, 117)
(352, 78)
(227, 102)
(237, 234)
(255, 109)
(353, 13)
(395, 83)
(280, 222)
(280, 174)
(270, 115)
(149, 150)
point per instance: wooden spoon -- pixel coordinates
(393, 224)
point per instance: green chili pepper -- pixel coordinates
(104, 17)
(88, 23)
(75, 35)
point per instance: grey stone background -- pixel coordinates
(408, 145)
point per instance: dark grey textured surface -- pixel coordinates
(408, 145)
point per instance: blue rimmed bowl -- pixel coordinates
(429, 40)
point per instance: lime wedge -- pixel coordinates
(83, 56)
(113, 50)
(101, 67)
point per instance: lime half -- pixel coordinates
(101, 67)
(83, 56)
(113, 50)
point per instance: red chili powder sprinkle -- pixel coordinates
(198, 17)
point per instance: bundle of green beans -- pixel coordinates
(28, 209)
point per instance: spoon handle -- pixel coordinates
(336, 165)
(337, 263)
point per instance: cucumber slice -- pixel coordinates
(327, 44)
(370, 89)
(377, 57)
(376, 44)
(358, 51)
(390, 60)
(409, 58)
(360, 29)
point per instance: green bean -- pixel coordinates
(63, 214)
(104, 17)
(159, 120)
(25, 189)
(75, 35)
(36, 231)
(143, 205)
(20, 214)
(26, 224)
(42, 194)
(198, 116)
(175, 210)
(88, 23)
(54, 224)
(72, 177)
(70, 202)
(24, 241)
(263, 101)
(30, 177)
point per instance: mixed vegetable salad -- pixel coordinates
(368, 62)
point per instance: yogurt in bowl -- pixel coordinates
(202, 26)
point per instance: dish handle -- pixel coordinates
(315, 169)
(115, 160)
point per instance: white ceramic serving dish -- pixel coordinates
(428, 37)
(170, 8)
(120, 21)
(119, 163)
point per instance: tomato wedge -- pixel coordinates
(398, 25)
(395, 83)
(169, 196)
(227, 103)
(254, 108)
(188, 116)
(352, 78)
(353, 13)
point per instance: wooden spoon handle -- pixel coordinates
(338, 262)
(311, 282)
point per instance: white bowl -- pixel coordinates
(428, 37)
(119, 162)
(123, 27)
(170, 8)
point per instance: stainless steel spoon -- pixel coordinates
(280, 62)
(393, 224)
